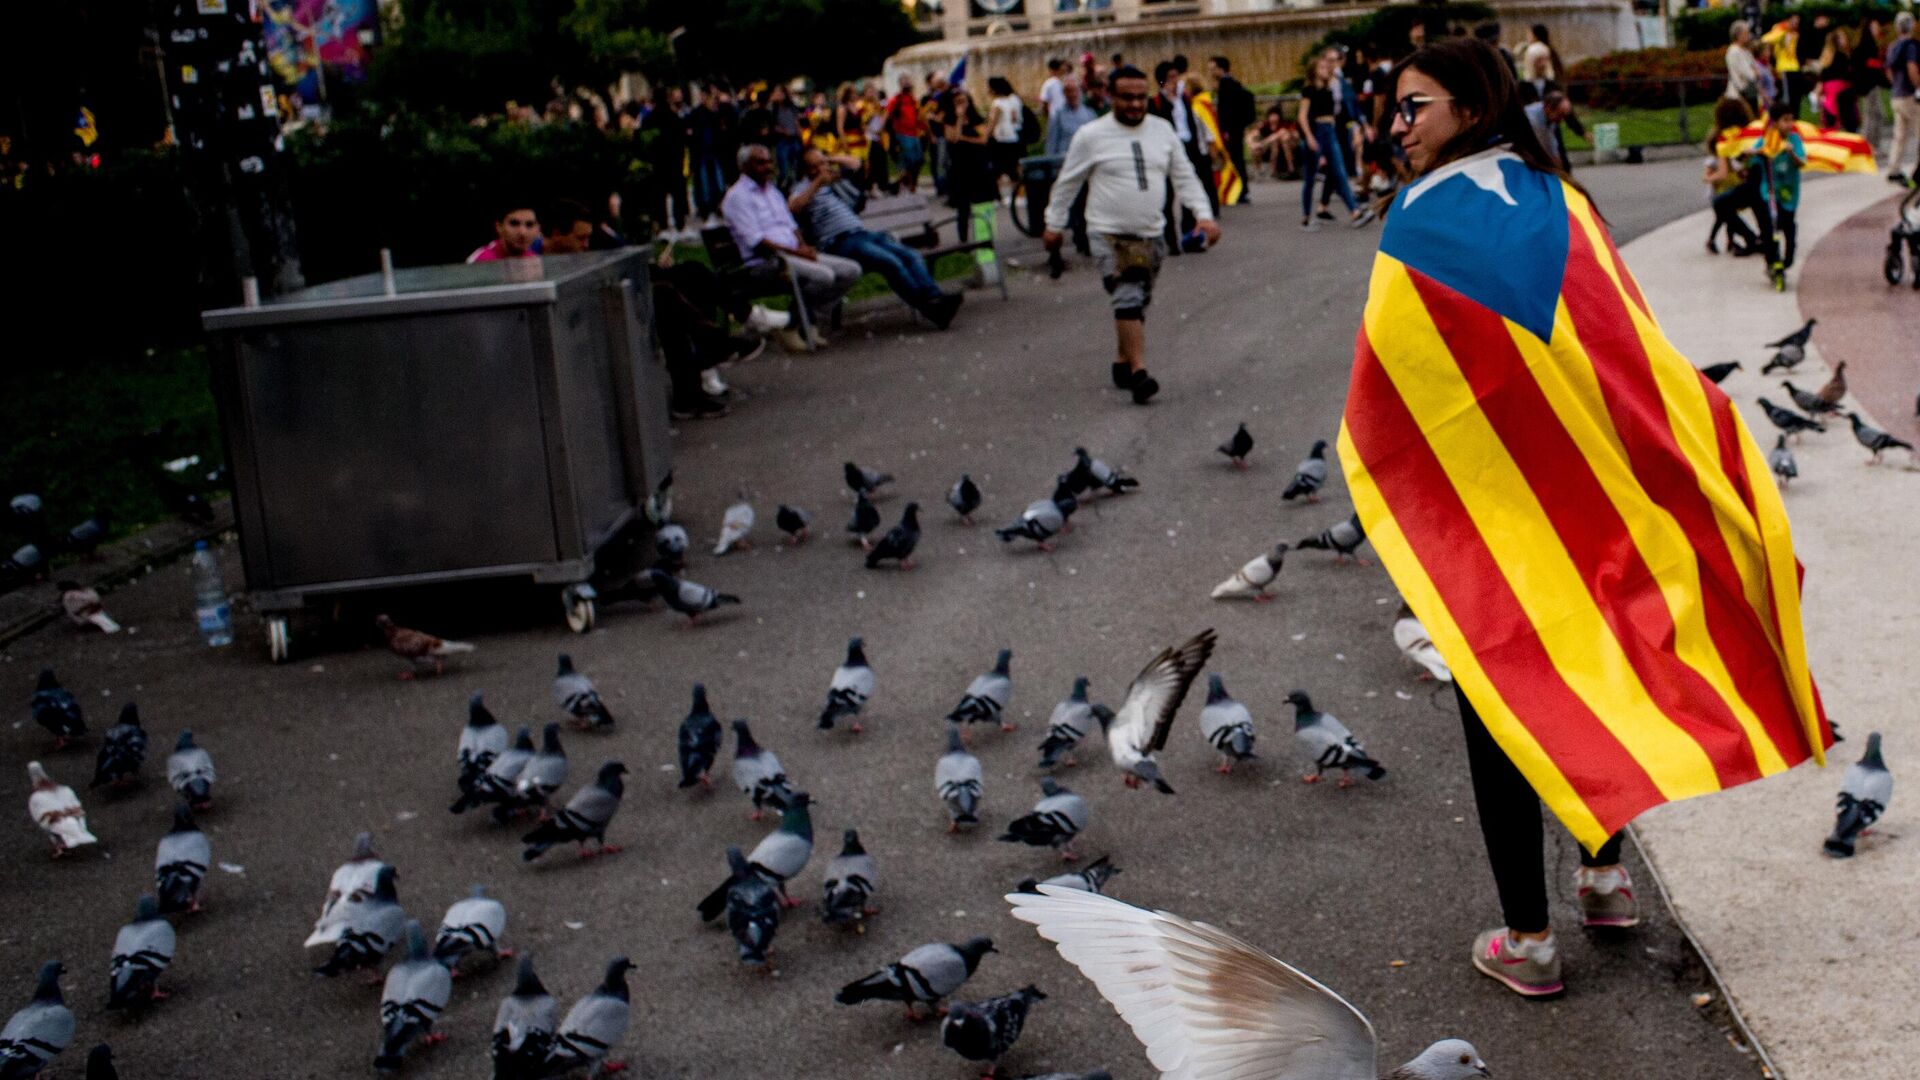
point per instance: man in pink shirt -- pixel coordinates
(516, 236)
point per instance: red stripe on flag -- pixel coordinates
(1442, 536)
(1591, 530)
(1619, 267)
(1633, 399)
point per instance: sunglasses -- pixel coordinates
(1409, 107)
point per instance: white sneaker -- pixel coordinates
(711, 383)
(764, 320)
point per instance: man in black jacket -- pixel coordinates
(1235, 106)
(666, 152)
(1171, 105)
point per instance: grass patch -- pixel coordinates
(1646, 127)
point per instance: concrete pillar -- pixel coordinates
(1126, 11)
(1039, 16)
(953, 19)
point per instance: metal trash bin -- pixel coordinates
(440, 423)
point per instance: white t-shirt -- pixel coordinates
(1006, 119)
(1052, 97)
(1125, 171)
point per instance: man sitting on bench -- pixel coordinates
(764, 230)
(832, 209)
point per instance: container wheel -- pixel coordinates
(279, 639)
(579, 603)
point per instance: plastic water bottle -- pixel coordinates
(210, 596)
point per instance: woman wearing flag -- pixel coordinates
(1568, 506)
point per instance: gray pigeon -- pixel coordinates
(864, 481)
(1041, 521)
(1250, 581)
(1227, 725)
(1865, 791)
(1310, 477)
(849, 884)
(865, 519)
(986, 697)
(899, 543)
(964, 497)
(1782, 462)
(956, 778)
(753, 911)
(1070, 722)
(1790, 349)
(1141, 725)
(984, 1030)
(180, 864)
(594, 1027)
(1057, 818)
(780, 856)
(1092, 878)
(123, 749)
(473, 924)
(142, 950)
(1237, 447)
(1330, 743)
(851, 687)
(417, 990)
(497, 783)
(1787, 420)
(922, 977)
(524, 1026)
(352, 881)
(758, 773)
(1090, 472)
(370, 928)
(1343, 540)
(37, 1034)
(482, 741)
(1876, 440)
(700, 739)
(56, 710)
(1814, 404)
(689, 598)
(545, 774)
(792, 521)
(576, 696)
(190, 772)
(584, 818)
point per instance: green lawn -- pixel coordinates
(1646, 127)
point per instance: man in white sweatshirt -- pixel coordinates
(1124, 160)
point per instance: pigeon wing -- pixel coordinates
(1157, 691)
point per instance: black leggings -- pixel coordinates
(1510, 823)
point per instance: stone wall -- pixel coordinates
(1264, 46)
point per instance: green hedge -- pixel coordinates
(1708, 28)
(1647, 79)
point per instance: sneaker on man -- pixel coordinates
(712, 385)
(698, 406)
(942, 310)
(1323, 213)
(1897, 178)
(765, 320)
(1144, 387)
(1528, 968)
(1606, 896)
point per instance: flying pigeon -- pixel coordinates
(864, 481)
(700, 738)
(1343, 539)
(1041, 520)
(545, 773)
(964, 497)
(1791, 349)
(1090, 472)
(1205, 1003)
(734, 526)
(1836, 387)
(482, 741)
(1238, 447)
(1813, 404)
(523, 1028)
(123, 749)
(986, 697)
(36, 1034)
(353, 882)
(900, 540)
(1057, 818)
(865, 519)
(1070, 722)
(851, 687)
(758, 773)
(417, 989)
(1227, 725)
(576, 696)
(1141, 724)
(1782, 462)
(370, 927)
(141, 952)
(55, 709)
(83, 607)
(1874, 439)
(1310, 476)
(1330, 743)
(1865, 791)
(1411, 639)
(780, 856)
(1789, 421)
(792, 521)
(1250, 581)
(180, 864)
(956, 779)
(922, 977)
(850, 881)
(498, 783)
(190, 772)
(58, 811)
(689, 598)
(1092, 877)
(472, 924)
(423, 649)
(752, 909)
(1719, 372)
(584, 818)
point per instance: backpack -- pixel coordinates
(1030, 132)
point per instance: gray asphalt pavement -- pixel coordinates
(1376, 891)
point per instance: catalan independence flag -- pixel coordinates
(1828, 149)
(1579, 518)
(1227, 181)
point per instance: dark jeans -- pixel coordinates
(882, 254)
(786, 159)
(1335, 158)
(709, 185)
(1510, 824)
(669, 198)
(1747, 196)
(1788, 234)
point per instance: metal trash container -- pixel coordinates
(440, 423)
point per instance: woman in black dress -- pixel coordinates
(970, 177)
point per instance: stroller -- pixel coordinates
(1905, 235)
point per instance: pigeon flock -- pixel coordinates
(1817, 408)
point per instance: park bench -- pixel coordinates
(916, 221)
(770, 279)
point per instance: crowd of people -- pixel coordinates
(1839, 76)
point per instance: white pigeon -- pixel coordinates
(83, 607)
(1206, 1004)
(57, 810)
(735, 526)
(1250, 581)
(1141, 724)
(353, 880)
(1414, 644)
